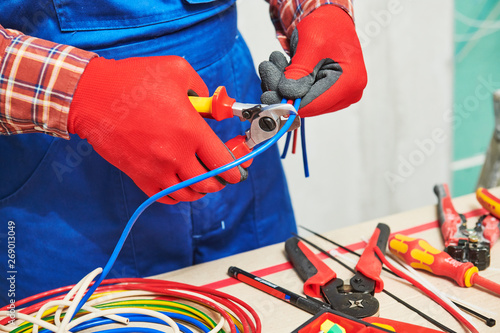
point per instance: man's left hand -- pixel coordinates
(326, 70)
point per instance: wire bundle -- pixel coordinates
(133, 305)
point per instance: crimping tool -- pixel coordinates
(462, 243)
(356, 300)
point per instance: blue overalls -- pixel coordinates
(69, 206)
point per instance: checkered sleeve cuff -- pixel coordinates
(37, 81)
(286, 14)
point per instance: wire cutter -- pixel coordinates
(321, 281)
(265, 120)
(462, 243)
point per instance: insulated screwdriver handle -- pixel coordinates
(421, 255)
(488, 201)
(218, 107)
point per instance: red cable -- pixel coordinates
(294, 144)
(162, 287)
(196, 299)
(429, 293)
(223, 296)
(200, 289)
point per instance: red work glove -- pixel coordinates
(326, 69)
(136, 114)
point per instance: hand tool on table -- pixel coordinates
(462, 243)
(323, 311)
(491, 203)
(421, 255)
(265, 120)
(378, 244)
(321, 281)
(490, 322)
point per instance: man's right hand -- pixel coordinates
(136, 114)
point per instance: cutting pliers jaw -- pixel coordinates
(265, 120)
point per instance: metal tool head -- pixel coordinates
(470, 251)
(356, 304)
(265, 120)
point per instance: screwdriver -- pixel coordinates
(488, 201)
(421, 255)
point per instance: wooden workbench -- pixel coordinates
(270, 263)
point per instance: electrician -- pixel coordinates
(95, 111)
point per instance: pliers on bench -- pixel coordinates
(321, 281)
(462, 243)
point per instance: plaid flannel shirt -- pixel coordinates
(37, 82)
(38, 78)
(286, 14)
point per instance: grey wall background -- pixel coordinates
(384, 154)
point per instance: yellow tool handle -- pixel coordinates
(202, 104)
(218, 107)
(421, 255)
(488, 201)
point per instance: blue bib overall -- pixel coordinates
(69, 206)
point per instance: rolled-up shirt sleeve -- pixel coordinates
(286, 14)
(37, 81)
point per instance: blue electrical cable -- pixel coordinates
(133, 317)
(287, 143)
(131, 330)
(186, 183)
(288, 136)
(305, 162)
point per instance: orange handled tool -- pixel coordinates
(421, 255)
(265, 120)
(491, 222)
(488, 201)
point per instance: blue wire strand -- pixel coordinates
(131, 330)
(186, 183)
(287, 143)
(288, 136)
(134, 317)
(305, 162)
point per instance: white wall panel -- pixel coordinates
(384, 154)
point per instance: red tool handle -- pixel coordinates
(369, 263)
(314, 272)
(398, 326)
(366, 325)
(491, 229)
(488, 201)
(449, 219)
(218, 107)
(491, 222)
(421, 255)
(239, 148)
